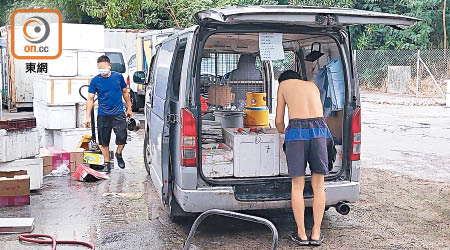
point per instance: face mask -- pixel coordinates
(103, 71)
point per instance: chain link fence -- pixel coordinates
(374, 66)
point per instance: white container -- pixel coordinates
(65, 65)
(81, 114)
(60, 116)
(338, 162)
(33, 167)
(59, 90)
(68, 139)
(83, 36)
(18, 144)
(217, 163)
(45, 137)
(255, 155)
(87, 63)
(218, 170)
(55, 116)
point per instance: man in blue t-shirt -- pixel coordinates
(109, 87)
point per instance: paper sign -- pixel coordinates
(271, 46)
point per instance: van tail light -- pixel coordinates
(356, 135)
(128, 80)
(189, 147)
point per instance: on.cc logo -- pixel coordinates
(36, 29)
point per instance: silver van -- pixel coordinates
(192, 165)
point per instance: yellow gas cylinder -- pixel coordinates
(256, 111)
(255, 100)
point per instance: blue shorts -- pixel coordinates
(306, 142)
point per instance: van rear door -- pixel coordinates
(159, 130)
(297, 15)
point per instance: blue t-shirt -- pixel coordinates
(109, 91)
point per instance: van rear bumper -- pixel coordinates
(203, 199)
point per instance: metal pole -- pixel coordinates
(236, 216)
(417, 73)
(432, 77)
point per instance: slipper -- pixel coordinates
(316, 242)
(298, 240)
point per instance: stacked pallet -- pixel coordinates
(19, 149)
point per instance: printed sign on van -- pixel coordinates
(271, 46)
(36, 34)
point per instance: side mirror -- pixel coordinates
(139, 77)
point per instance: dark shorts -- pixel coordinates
(107, 123)
(306, 142)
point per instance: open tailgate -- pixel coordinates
(298, 15)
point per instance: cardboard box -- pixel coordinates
(76, 158)
(14, 188)
(33, 166)
(54, 157)
(93, 158)
(85, 173)
(220, 95)
(47, 161)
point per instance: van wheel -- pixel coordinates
(134, 102)
(147, 153)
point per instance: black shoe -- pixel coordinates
(106, 168)
(298, 240)
(316, 243)
(120, 160)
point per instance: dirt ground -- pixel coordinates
(399, 208)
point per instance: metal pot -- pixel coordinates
(230, 119)
(133, 124)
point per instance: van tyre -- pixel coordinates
(134, 101)
(147, 153)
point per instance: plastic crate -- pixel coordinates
(9, 125)
(18, 124)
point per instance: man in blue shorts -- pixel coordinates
(110, 88)
(306, 142)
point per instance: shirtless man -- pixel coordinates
(306, 141)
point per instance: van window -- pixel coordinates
(117, 61)
(279, 66)
(152, 69)
(165, 56)
(178, 66)
(132, 61)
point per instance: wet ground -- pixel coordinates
(404, 202)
